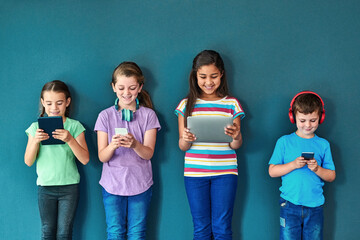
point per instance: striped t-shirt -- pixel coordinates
(205, 159)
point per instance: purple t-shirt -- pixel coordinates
(126, 173)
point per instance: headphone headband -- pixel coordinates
(291, 113)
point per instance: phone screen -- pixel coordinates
(308, 155)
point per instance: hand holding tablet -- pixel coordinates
(49, 125)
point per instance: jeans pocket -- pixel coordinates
(282, 202)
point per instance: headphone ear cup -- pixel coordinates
(291, 116)
(322, 117)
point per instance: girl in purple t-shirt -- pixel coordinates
(126, 136)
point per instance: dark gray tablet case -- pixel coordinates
(49, 124)
(209, 128)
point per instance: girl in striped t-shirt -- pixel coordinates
(210, 168)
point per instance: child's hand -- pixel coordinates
(62, 134)
(312, 165)
(115, 141)
(233, 131)
(128, 141)
(299, 162)
(187, 136)
(40, 135)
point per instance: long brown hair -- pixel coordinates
(56, 86)
(131, 69)
(206, 57)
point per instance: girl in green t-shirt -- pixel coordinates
(58, 176)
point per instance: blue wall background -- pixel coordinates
(272, 49)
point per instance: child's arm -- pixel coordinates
(185, 136)
(235, 132)
(280, 170)
(106, 150)
(325, 174)
(78, 145)
(32, 147)
(145, 150)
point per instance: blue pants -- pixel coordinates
(126, 215)
(300, 223)
(211, 201)
(57, 206)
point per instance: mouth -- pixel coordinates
(209, 87)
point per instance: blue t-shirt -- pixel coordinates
(302, 186)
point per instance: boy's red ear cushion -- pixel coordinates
(291, 116)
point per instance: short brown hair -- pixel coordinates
(307, 103)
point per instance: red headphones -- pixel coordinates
(291, 114)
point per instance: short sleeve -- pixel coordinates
(279, 152)
(78, 128)
(327, 161)
(152, 121)
(238, 110)
(102, 122)
(180, 109)
(32, 129)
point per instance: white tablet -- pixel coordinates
(209, 128)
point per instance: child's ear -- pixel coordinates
(42, 102)
(68, 101)
(140, 88)
(113, 87)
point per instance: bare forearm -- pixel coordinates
(326, 174)
(142, 151)
(280, 169)
(80, 152)
(106, 154)
(31, 152)
(184, 145)
(236, 143)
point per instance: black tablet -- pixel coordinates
(49, 124)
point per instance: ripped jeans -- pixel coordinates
(298, 222)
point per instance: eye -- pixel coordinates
(132, 88)
(121, 89)
(302, 120)
(313, 120)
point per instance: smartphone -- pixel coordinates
(121, 131)
(307, 155)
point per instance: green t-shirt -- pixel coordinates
(55, 164)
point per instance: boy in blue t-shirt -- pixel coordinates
(301, 212)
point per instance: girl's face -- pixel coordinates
(208, 79)
(127, 90)
(55, 103)
(307, 124)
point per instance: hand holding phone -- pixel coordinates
(307, 155)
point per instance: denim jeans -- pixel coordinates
(57, 206)
(126, 215)
(211, 201)
(299, 222)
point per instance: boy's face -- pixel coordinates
(307, 124)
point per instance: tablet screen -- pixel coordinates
(49, 124)
(209, 128)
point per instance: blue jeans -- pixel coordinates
(211, 201)
(57, 206)
(298, 222)
(126, 215)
